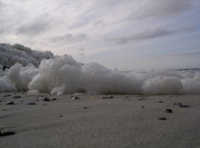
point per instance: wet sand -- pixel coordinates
(98, 121)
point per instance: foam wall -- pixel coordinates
(21, 76)
(57, 76)
(64, 75)
(6, 85)
(163, 85)
(191, 84)
(100, 79)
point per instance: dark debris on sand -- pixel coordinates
(31, 103)
(141, 99)
(162, 118)
(160, 101)
(17, 97)
(168, 110)
(54, 99)
(8, 95)
(4, 132)
(61, 116)
(11, 103)
(108, 97)
(181, 105)
(46, 99)
(85, 107)
(75, 97)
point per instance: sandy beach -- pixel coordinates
(99, 74)
(98, 121)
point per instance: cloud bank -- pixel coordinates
(98, 26)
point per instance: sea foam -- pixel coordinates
(64, 75)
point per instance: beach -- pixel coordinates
(99, 121)
(99, 74)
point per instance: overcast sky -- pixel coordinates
(125, 34)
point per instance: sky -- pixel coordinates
(123, 34)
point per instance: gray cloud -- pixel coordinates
(162, 8)
(35, 27)
(98, 10)
(3, 30)
(1, 5)
(73, 25)
(69, 38)
(152, 34)
(2, 18)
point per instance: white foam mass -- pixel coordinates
(163, 85)
(21, 76)
(192, 84)
(57, 76)
(6, 85)
(64, 75)
(100, 79)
